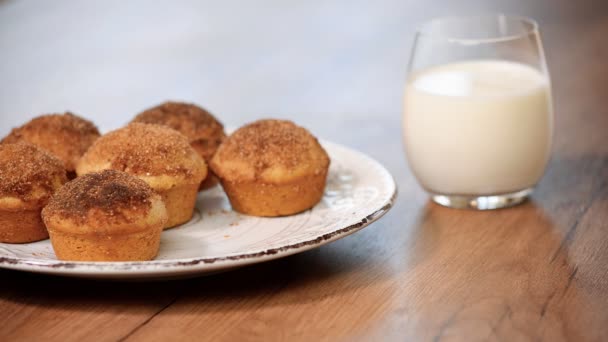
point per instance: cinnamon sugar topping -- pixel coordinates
(146, 150)
(269, 143)
(28, 173)
(109, 191)
(202, 129)
(66, 136)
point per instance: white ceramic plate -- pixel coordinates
(359, 191)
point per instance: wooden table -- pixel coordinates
(535, 272)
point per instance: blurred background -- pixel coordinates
(326, 64)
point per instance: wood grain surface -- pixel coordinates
(537, 272)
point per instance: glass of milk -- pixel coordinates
(478, 118)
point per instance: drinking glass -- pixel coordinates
(478, 118)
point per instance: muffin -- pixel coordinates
(28, 178)
(271, 168)
(160, 156)
(105, 216)
(65, 136)
(204, 132)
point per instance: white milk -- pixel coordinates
(478, 127)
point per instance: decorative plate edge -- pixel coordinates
(10, 261)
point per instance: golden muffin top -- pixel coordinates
(66, 136)
(202, 129)
(145, 150)
(273, 151)
(103, 201)
(28, 176)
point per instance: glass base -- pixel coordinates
(482, 202)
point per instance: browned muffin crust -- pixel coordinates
(66, 136)
(202, 129)
(143, 149)
(269, 143)
(110, 192)
(28, 173)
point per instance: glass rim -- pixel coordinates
(531, 27)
